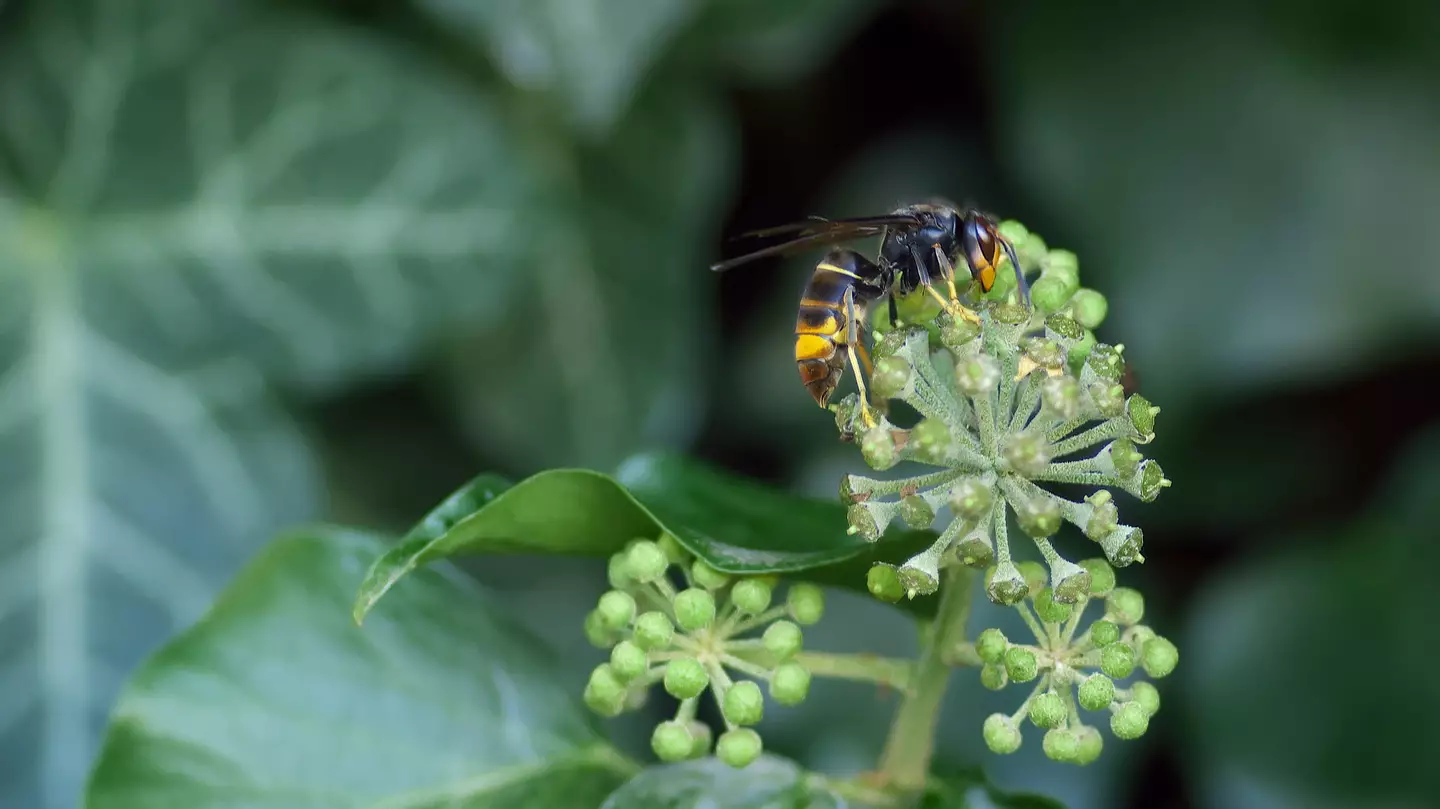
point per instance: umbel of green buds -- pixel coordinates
(673, 621)
(1079, 655)
(1012, 400)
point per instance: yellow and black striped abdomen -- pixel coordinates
(820, 327)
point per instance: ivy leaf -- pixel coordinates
(772, 41)
(274, 700)
(768, 783)
(967, 789)
(607, 348)
(589, 55)
(734, 525)
(196, 200)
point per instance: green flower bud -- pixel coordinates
(1071, 581)
(1122, 546)
(1035, 576)
(1013, 231)
(991, 645)
(1104, 633)
(672, 741)
(1124, 457)
(1047, 710)
(1049, 293)
(646, 561)
(883, 582)
(673, 550)
(1038, 516)
(1050, 610)
(1125, 605)
(628, 660)
(1063, 262)
(1105, 361)
(1005, 585)
(973, 549)
(915, 512)
(1063, 329)
(1081, 348)
(1137, 635)
(783, 639)
(738, 747)
(751, 596)
(1020, 664)
(1089, 308)
(1065, 280)
(1142, 415)
(604, 693)
(877, 447)
(707, 577)
(1159, 657)
(892, 375)
(1129, 721)
(1044, 352)
(1109, 398)
(977, 375)
(993, 676)
(1104, 517)
(1091, 745)
(1061, 744)
(617, 571)
(789, 683)
(1027, 453)
(653, 631)
(1151, 480)
(932, 440)
(1008, 313)
(694, 609)
(616, 608)
(685, 678)
(1060, 396)
(957, 334)
(806, 603)
(1117, 660)
(744, 704)
(1097, 692)
(1102, 576)
(596, 632)
(1002, 734)
(1147, 696)
(862, 520)
(970, 499)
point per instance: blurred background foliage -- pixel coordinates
(263, 262)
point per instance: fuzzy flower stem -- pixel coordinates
(1025, 407)
(1114, 428)
(906, 760)
(762, 619)
(1036, 628)
(741, 665)
(1075, 614)
(884, 487)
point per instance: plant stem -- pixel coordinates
(906, 760)
(864, 667)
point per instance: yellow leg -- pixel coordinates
(865, 358)
(852, 340)
(954, 306)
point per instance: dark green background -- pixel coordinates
(1255, 187)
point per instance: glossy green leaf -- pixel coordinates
(1304, 673)
(197, 199)
(735, 525)
(772, 41)
(768, 783)
(608, 349)
(589, 55)
(275, 700)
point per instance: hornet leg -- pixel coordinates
(953, 306)
(852, 343)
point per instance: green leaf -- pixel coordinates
(589, 55)
(608, 348)
(734, 525)
(275, 699)
(768, 783)
(195, 200)
(772, 41)
(1303, 672)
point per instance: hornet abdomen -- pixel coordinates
(822, 327)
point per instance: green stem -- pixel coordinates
(868, 668)
(906, 760)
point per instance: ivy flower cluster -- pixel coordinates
(717, 633)
(1074, 669)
